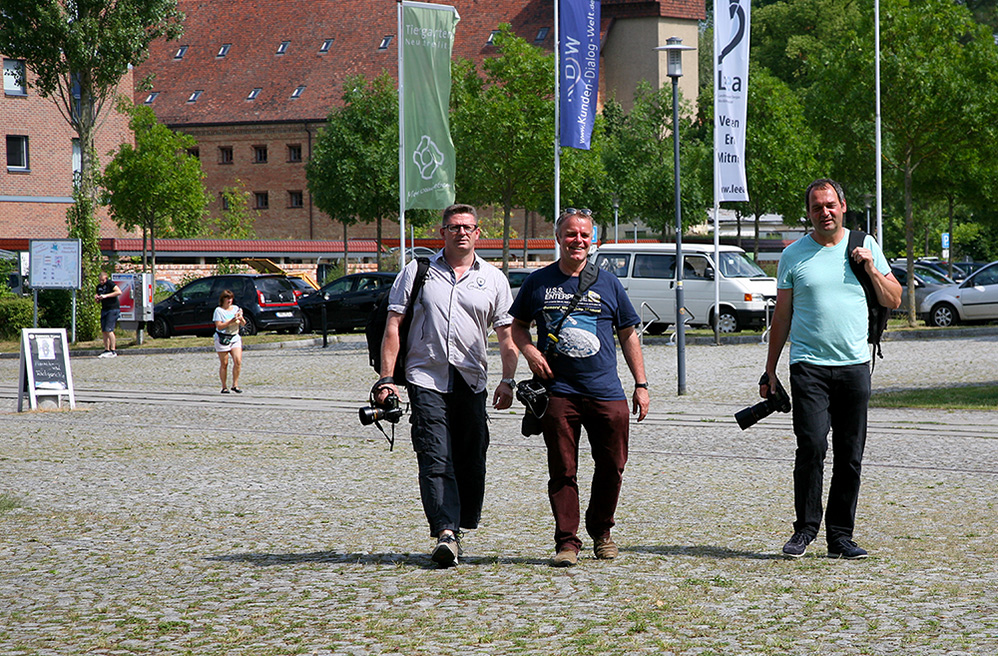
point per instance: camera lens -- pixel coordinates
(370, 415)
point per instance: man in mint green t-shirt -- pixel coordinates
(821, 308)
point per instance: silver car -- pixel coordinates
(974, 299)
(926, 281)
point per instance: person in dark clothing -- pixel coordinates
(110, 312)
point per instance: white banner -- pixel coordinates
(731, 49)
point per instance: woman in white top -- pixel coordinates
(228, 319)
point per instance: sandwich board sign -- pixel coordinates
(44, 370)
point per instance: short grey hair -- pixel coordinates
(821, 183)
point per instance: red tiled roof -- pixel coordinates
(242, 247)
(255, 29)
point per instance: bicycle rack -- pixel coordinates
(645, 324)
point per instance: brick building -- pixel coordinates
(254, 81)
(40, 155)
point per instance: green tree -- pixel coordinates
(503, 128)
(640, 163)
(79, 51)
(155, 184)
(779, 149)
(353, 172)
(237, 219)
(938, 69)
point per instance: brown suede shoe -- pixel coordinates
(605, 548)
(565, 558)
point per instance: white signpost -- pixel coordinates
(44, 369)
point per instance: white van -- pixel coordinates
(648, 273)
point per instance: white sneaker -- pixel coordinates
(105, 354)
(112, 354)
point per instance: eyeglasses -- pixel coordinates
(455, 228)
(571, 211)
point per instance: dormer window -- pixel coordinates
(492, 38)
(151, 97)
(326, 45)
(194, 96)
(224, 50)
(181, 51)
(254, 93)
(542, 34)
(298, 92)
(385, 42)
(283, 48)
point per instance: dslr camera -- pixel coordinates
(778, 400)
(390, 410)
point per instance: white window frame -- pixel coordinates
(25, 164)
(11, 85)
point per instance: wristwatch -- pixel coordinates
(509, 381)
(641, 385)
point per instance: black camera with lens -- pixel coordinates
(778, 401)
(389, 410)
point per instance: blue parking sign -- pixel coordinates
(945, 240)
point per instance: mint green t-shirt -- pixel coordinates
(829, 324)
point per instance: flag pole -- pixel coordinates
(557, 119)
(400, 38)
(717, 204)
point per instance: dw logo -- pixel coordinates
(427, 157)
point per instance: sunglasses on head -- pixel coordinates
(571, 211)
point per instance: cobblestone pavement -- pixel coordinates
(162, 518)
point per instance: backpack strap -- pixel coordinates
(856, 239)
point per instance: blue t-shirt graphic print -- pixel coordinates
(585, 357)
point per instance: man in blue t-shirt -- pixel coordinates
(579, 368)
(821, 307)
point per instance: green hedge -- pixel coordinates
(15, 314)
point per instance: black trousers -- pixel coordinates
(450, 436)
(824, 398)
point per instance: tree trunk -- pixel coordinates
(378, 223)
(952, 246)
(507, 222)
(755, 249)
(346, 250)
(909, 238)
(152, 250)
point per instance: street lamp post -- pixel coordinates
(674, 47)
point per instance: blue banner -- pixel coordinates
(579, 63)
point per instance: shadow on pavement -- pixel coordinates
(333, 557)
(703, 551)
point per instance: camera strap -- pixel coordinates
(587, 278)
(391, 439)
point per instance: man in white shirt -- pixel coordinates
(445, 364)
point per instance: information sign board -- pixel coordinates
(55, 263)
(44, 369)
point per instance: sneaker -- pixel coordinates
(845, 548)
(565, 558)
(105, 354)
(605, 548)
(445, 553)
(797, 545)
(112, 354)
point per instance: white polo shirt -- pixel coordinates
(451, 321)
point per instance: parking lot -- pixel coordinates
(162, 518)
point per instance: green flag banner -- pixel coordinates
(427, 151)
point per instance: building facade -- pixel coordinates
(41, 154)
(254, 82)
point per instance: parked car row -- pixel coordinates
(288, 304)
